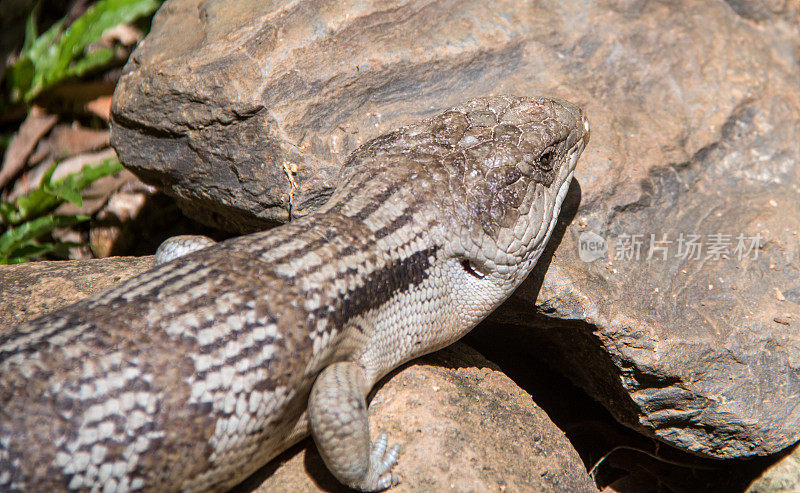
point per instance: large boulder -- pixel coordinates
(695, 342)
(244, 110)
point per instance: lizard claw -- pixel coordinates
(381, 462)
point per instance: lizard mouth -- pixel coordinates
(572, 157)
(564, 179)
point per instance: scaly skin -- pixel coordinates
(196, 373)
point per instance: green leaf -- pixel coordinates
(60, 52)
(32, 204)
(33, 249)
(90, 174)
(30, 28)
(25, 216)
(20, 78)
(88, 29)
(22, 235)
(29, 250)
(91, 61)
(41, 55)
(37, 201)
(7, 211)
(47, 177)
(69, 194)
(51, 194)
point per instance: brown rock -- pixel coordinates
(782, 477)
(33, 289)
(463, 426)
(245, 110)
(686, 347)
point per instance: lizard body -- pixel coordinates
(196, 373)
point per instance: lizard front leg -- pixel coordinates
(337, 412)
(178, 246)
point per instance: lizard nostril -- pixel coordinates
(467, 265)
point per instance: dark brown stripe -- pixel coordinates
(325, 229)
(406, 217)
(379, 287)
(376, 201)
(353, 186)
(350, 249)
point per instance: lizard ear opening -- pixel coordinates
(470, 268)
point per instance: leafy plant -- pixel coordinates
(26, 219)
(61, 52)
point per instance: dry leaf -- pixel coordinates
(35, 126)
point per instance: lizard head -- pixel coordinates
(484, 180)
(510, 169)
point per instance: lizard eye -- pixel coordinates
(545, 160)
(467, 265)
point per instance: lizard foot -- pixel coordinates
(178, 246)
(337, 415)
(381, 462)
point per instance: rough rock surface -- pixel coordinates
(782, 477)
(463, 425)
(244, 110)
(703, 351)
(33, 289)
